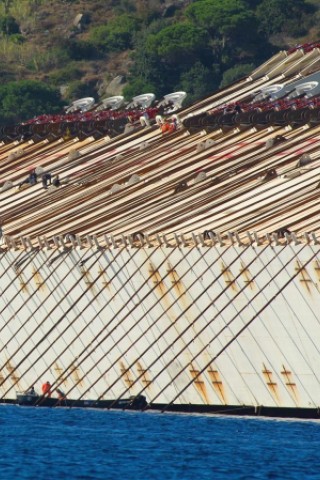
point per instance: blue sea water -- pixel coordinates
(43, 443)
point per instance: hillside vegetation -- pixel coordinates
(54, 51)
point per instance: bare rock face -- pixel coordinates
(81, 20)
(114, 87)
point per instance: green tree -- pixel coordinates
(77, 89)
(236, 73)
(117, 35)
(179, 44)
(252, 4)
(275, 16)
(175, 56)
(137, 87)
(199, 81)
(23, 100)
(79, 49)
(219, 17)
(147, 72)
(69, 72)
(231, 24)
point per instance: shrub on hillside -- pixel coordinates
(9, 25)
(70, 72)
(199, 81)
(235, 73)
(116, 35)
(137, 87)
(23, 100)
(81, 49)
(78, 89)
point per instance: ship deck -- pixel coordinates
(195, 180)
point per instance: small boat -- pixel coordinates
(134, 402)
(27, 398)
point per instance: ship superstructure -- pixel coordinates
(183, 266)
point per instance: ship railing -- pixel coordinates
(142, 240)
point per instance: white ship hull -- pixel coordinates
(178, 266)
(190, 326)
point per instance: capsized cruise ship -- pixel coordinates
(180, 264)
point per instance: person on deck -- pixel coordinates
(56, 181)
(46, 180)
(165, 127)
(61, 395)
(46, 389)
(30, 180)
(31, 391)
(33, 177)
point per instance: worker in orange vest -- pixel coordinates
(46, 389)
(165, 127)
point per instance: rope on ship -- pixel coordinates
(298, 271)
(151, 291)
(187, 328)
(115, 345)
(171, 326)
(58, 321)
(226, 326)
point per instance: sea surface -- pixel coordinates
(57, 443)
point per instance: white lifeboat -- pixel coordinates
(83, 104)
(173, 101)
(112, 103)
(143, 101)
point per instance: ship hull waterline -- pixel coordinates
(221, 329)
